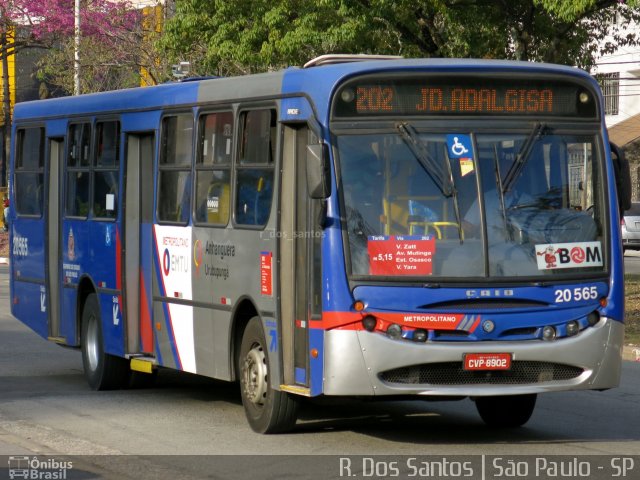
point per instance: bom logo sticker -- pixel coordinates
(569, 255)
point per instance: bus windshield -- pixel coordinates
(425, 204)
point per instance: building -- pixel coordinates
(619, 75)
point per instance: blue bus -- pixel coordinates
(361, 227)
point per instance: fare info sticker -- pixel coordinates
(266, 276)
(401, 255)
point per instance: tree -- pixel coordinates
(239, 36)
(42, 24)
(113, 55)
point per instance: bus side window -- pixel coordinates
(29, 176)
(213, 168)
(255, 167)
(78, 170)
(105, 178)
(174, 182)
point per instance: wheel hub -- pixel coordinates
(254, 372)
(92, 344)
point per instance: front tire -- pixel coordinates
(103, 371)
(267, 410)
(509, 411)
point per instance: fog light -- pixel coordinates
(369, 323)
(573, 328)
(548, 333)
(419, 336)
(394, 331)
(593, 318)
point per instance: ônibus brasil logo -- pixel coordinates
(38, 469)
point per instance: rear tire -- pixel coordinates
(509, 411)
(267, 410)
(103, 371)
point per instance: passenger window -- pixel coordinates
(29, 174)
(78, 170)
(174, 182)
(213, 164)
(79, 143)
(105, 178)
(255, 169)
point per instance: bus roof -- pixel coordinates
(313, 81)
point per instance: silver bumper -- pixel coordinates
(354, 361)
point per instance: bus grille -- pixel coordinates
(451, 373)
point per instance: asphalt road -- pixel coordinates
(47, 408)
(632, 262)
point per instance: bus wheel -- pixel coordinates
(507, 411)
(267, 410)
(103, 371)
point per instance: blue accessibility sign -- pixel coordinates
(459, 145)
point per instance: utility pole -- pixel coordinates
(6, 107)
(76, 62)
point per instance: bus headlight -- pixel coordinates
(394, 331)
(573, 328)
(548, 333)
(369, 323)
(419, 335)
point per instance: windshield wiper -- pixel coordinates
(499, 185)
(434, 169)
(539, 130)
(441, 175)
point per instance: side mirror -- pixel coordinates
(623, 177)
(318, 177)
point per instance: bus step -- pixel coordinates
(59, 340)
(297, 389)
(143, 364)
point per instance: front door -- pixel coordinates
(300, 270)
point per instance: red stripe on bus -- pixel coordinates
(429, 321)
(146, 328)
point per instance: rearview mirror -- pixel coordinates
(318, 178)
(623, 177)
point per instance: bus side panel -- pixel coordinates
(27, 249)
(104, 267)
(28, 274)
(172, 280)
(74, 247)
(211, 326)
(68, 322)
(112, 323)
(29, 306)
(91, 250)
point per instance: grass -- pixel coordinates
(632, 309)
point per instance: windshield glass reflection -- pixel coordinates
(497, 211)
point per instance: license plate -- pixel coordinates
(487, 361)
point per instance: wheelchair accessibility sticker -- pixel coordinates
(459, 146)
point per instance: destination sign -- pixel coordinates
(464, 96)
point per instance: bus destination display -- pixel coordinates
(464, 97)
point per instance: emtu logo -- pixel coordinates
(166, 262)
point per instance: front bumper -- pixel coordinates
(357, 361)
